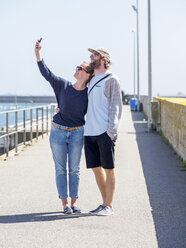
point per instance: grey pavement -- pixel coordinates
(149, 203)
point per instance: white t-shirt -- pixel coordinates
(104, 106)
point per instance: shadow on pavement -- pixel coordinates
(39, 217)
(166, 185)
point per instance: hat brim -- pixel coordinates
(92, 50)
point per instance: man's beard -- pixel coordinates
(95, 64)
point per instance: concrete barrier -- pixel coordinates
(173, 122)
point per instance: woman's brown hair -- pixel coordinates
(89, 70)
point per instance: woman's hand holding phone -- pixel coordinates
(37, 50)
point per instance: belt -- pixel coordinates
(67, 129)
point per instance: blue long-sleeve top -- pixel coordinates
(72, 103)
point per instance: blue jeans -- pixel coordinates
(67, 144)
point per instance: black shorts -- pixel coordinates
(99, 151)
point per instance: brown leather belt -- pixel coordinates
(67, 129)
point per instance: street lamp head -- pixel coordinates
(134, 8)
(134, 30)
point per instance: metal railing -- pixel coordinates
(31, 118)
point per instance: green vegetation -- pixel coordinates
(183, 165)
(166, 141)
(154, 127)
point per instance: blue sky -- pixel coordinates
(69, 28)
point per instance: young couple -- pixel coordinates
(96, 94)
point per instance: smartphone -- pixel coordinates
(40, 40)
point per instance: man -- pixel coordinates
(103, 115)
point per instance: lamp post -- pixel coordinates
(135, 8)
(149, 124)
(134, 61)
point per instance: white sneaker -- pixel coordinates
(106, 211)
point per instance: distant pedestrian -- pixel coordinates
(123, 96)
(66, 137)
(103, 115)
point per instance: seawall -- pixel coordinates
(27, 99)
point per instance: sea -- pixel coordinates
(13, 106)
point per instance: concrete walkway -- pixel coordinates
(149, 205)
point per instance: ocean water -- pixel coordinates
(11, 106)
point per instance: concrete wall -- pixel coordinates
(169, 116)
(173, 122)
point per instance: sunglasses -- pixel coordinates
(80, 68)
(95, 54)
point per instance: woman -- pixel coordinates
(66, 137)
